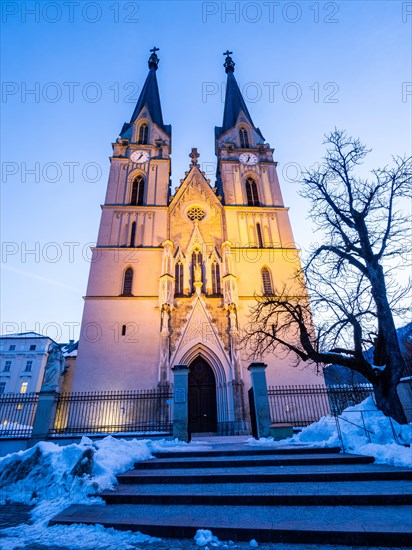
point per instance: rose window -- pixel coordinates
(195, 213)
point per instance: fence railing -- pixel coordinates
(143, 411)
(302, 405)
(17, 413)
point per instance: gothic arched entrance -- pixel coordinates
(202, 397)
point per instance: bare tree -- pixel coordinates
(349, 277)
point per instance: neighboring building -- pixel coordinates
(174, 274)
(23, 358)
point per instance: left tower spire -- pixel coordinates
(149, 99)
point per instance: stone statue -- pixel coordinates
(53, 370)
(198, 273)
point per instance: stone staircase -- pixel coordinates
(239, 492)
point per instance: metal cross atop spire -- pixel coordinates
(153, 59)
(229, 64)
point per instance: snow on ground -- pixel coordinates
(51, 477)
(386, 440)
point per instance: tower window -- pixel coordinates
(128, 282)
(7, 366)
(251, 192)
(2, 387)
(133, 235)
(137, 191)
(179, 278)
(12, 347)
(32, 347)
(216, 278)
(243, 138)
(267, 281)
(259, 235)
(29, 365)
(23, 388)
(143, 134)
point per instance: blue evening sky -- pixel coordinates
(305, 67)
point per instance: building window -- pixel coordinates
(128, 282)
(259, 235)
(2, 387)
(143, 134)
(243, 138)
(23, 388)
(32, 347)
(133, 235)
(137, 191)
(179, 278)
(195, 213)
(12, 347)
(7, 366)
(123, 330)
(251, 192)
(216, 278)
(29, 365)
(267, 281)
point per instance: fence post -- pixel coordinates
(181, 406)
(261, 399)
(45, 414)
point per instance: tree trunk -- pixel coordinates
(387, 399)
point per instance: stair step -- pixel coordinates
(262, 474)
(231, 450)
(352, 525)
(266, 494)
(251, 461)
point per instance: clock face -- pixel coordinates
(249, 159)
(139, 157)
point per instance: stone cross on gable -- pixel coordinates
(194, 155)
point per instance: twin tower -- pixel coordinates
(174, 275)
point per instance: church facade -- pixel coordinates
(174, 275)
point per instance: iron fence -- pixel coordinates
(302, 405)
(17, 413)
(136, 411)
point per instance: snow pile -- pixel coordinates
(386, 442)
(53, 477)
(205, 536)
(72, 472)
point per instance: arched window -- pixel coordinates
(251, 192)
(133, 235)
(243, 138)
(259, 235)
(216, 278)
(128, 282)
(179, 278)
(137, 191)
(143, 134)
(267, 281)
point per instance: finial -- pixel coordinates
(194, 155)
(153, 59)
(229, 64)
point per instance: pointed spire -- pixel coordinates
(234, 102)
(149, 98)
